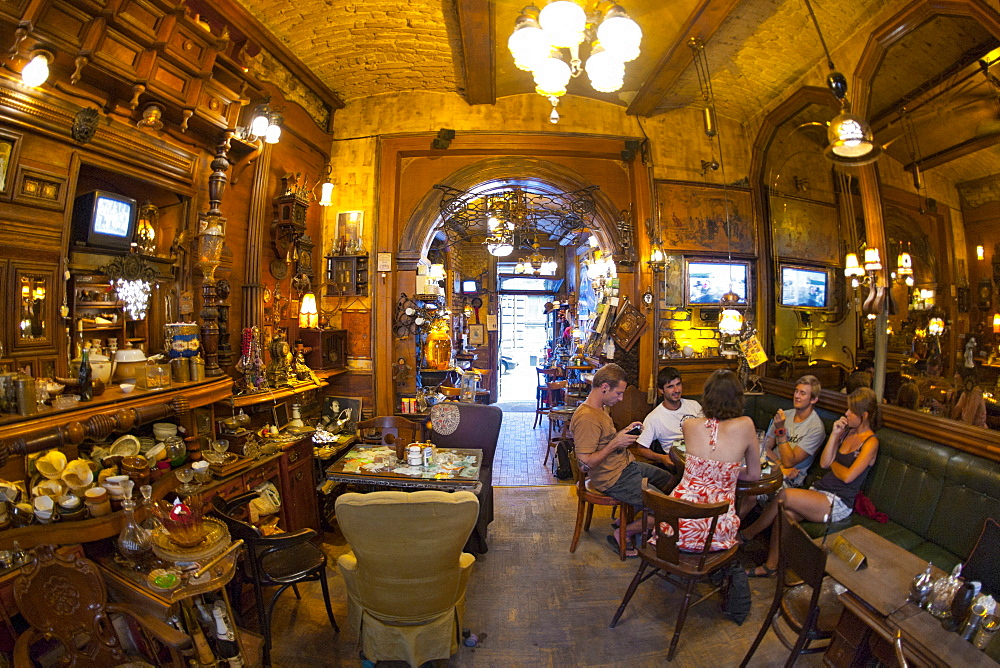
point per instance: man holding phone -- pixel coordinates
(663, 424)
(603, 451)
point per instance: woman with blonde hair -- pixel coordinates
(849, 453)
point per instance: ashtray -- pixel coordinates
(161, 579)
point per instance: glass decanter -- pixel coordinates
(151, 523)
(133, 541)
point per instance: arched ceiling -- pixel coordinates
(757, 50)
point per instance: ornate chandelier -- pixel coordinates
(513, 217)
(536, 263)
(541, 36)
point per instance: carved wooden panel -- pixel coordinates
(119, 54)
(358, 326)
(188, 47)
(169, 80)
(143, 19)
(40, 189)
(65, 22)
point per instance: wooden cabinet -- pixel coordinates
(99, 315)
(346, 275)
(299, 507)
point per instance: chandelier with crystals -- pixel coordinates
(505, 218)
(541, 39)
(133, 280)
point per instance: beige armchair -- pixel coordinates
(406, 573)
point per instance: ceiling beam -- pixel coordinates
(475, 23)
(702, 23)
(957, 151)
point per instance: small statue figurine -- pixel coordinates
(970, 353)
(401, 372)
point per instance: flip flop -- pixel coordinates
(630, 552)
(768, 572)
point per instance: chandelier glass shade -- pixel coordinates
(730, 322)
(536, 263)
(540, 36)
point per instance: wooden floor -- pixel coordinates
(533, 603)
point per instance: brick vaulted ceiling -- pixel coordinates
(756, 49)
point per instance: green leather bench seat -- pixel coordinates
(937, 498)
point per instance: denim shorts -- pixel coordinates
(628, 487)
(840, 510)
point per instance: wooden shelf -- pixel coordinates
(298, 388)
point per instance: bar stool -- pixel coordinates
(545, 376)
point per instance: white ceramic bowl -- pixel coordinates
(127, 387)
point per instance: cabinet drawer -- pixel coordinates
(264, 472)
(229, 489)
(299, 452)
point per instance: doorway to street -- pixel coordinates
(523, 338)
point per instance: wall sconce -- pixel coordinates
(935, 326)
(904, 268)
(980, 253)
(152, 118)
(656, 261)
(859, 275)
(36, 71)
(853, 270)
(996, 323)
(308, 312)
(265, 123)
(145, 230)
(326, 190)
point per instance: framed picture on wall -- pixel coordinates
(477, 334)
(696, 217)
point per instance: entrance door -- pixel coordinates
(523, 337)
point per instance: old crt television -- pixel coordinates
(707, 281)
(103, 219)
(803, 287)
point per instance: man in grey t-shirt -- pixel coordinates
(795, 442)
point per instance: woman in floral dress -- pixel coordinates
(721, 448)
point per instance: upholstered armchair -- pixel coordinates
(478, 428)
(406, 573)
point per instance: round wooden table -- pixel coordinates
(769, 483)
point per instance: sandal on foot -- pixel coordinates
(630, 552)
(755, 572)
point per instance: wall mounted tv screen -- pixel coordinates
(708, 281)
(104, 220)
(804, 288)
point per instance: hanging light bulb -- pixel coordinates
(554, 116)
(563, 23)
(731, 322)
(996, 323)
(36, 71)
(620, 34)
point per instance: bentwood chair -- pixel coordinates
(810, 609)
(666, 559)
(281, 560)
(542, 405)
(392, 431)
(555, 392)
(586, 499)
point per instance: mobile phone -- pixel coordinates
(635, 431)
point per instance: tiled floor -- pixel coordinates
(519, 455)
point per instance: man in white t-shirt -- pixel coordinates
(795, 442)
(663, 424)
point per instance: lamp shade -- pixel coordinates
(563, 23)
(730, 322)
(326, 194)
(308, 314)
(872, 260)
(851, 266)
(980, 253)
(528, 44)
(851, 140)
(605, 70)
(37, 70)
(620, 34)
(500, 248)
(273, 134)
(261, 120)
(996, 323)
(935, 326)
(551, 77)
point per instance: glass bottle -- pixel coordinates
(86, 377)
(151, 523)
(133, 541)
(176, 450)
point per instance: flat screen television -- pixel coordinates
(103, 219)
(802, 287)
(707, 281)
